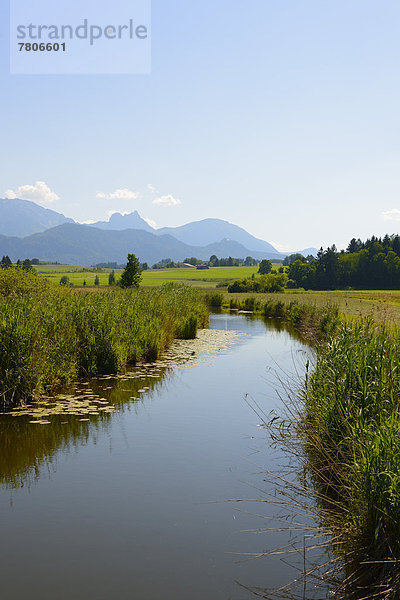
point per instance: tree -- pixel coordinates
(96, 280)
(396, 245)
(6, 262)
(354, 246)
(250, 261)
(288, 260)
(64, 280)
(213, 260)
(192, 261)
(302, 274)
(327, 269)
(265, 267)
(27, 265)
(132, 275)
(111, 278)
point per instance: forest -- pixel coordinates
(373, 264)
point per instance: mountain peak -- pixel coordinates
(209, 231)
(119, 222)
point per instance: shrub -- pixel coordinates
(273, 282)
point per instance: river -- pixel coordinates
(128, 497)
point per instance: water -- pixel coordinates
(133, 504)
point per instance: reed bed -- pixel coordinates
(341, 423)
(312, 321)
(351, 430)
(49, 336)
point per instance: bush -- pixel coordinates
(273, 282)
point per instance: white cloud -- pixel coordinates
(391, 215)
(120, 194)
(152, 188)
(40, 193)
(166, 201)
(150, 222)
(110, 213)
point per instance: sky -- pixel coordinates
(281, 116)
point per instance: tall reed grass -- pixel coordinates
(351, 428)
(49, 336)
(312, 321)
(343, 425)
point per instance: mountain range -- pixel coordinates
(21, 218)
(29, 230)
(197, 233)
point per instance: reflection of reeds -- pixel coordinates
(342, 429)
(312, 321)
(78, 413)
(49, 336)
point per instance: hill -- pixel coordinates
(22, 217)
(209, 231)
(84, 245)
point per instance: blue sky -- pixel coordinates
(280, 116)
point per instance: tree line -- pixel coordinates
(373, 264)
(168, 263)
(26, 264)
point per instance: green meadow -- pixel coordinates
(208, 278)
(382, 305)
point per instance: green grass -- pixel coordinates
(152, 278)
(50, 335)
(380, 306)
(206, 279)
(76, 275)
(351, 429)
(348, 420)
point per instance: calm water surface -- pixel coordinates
(132, 504)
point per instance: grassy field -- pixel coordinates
(382, 306)
(76, 275)
(151, 278)
(202, 279)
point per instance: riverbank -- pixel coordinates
(382, 306)
(346, 417)
(50, 336)
(351, 433)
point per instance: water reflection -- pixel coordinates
(131, 502)
(31, 436)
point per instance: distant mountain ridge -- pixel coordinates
(209, 231)
(29, 230)
(21, 218)
(85, 245)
